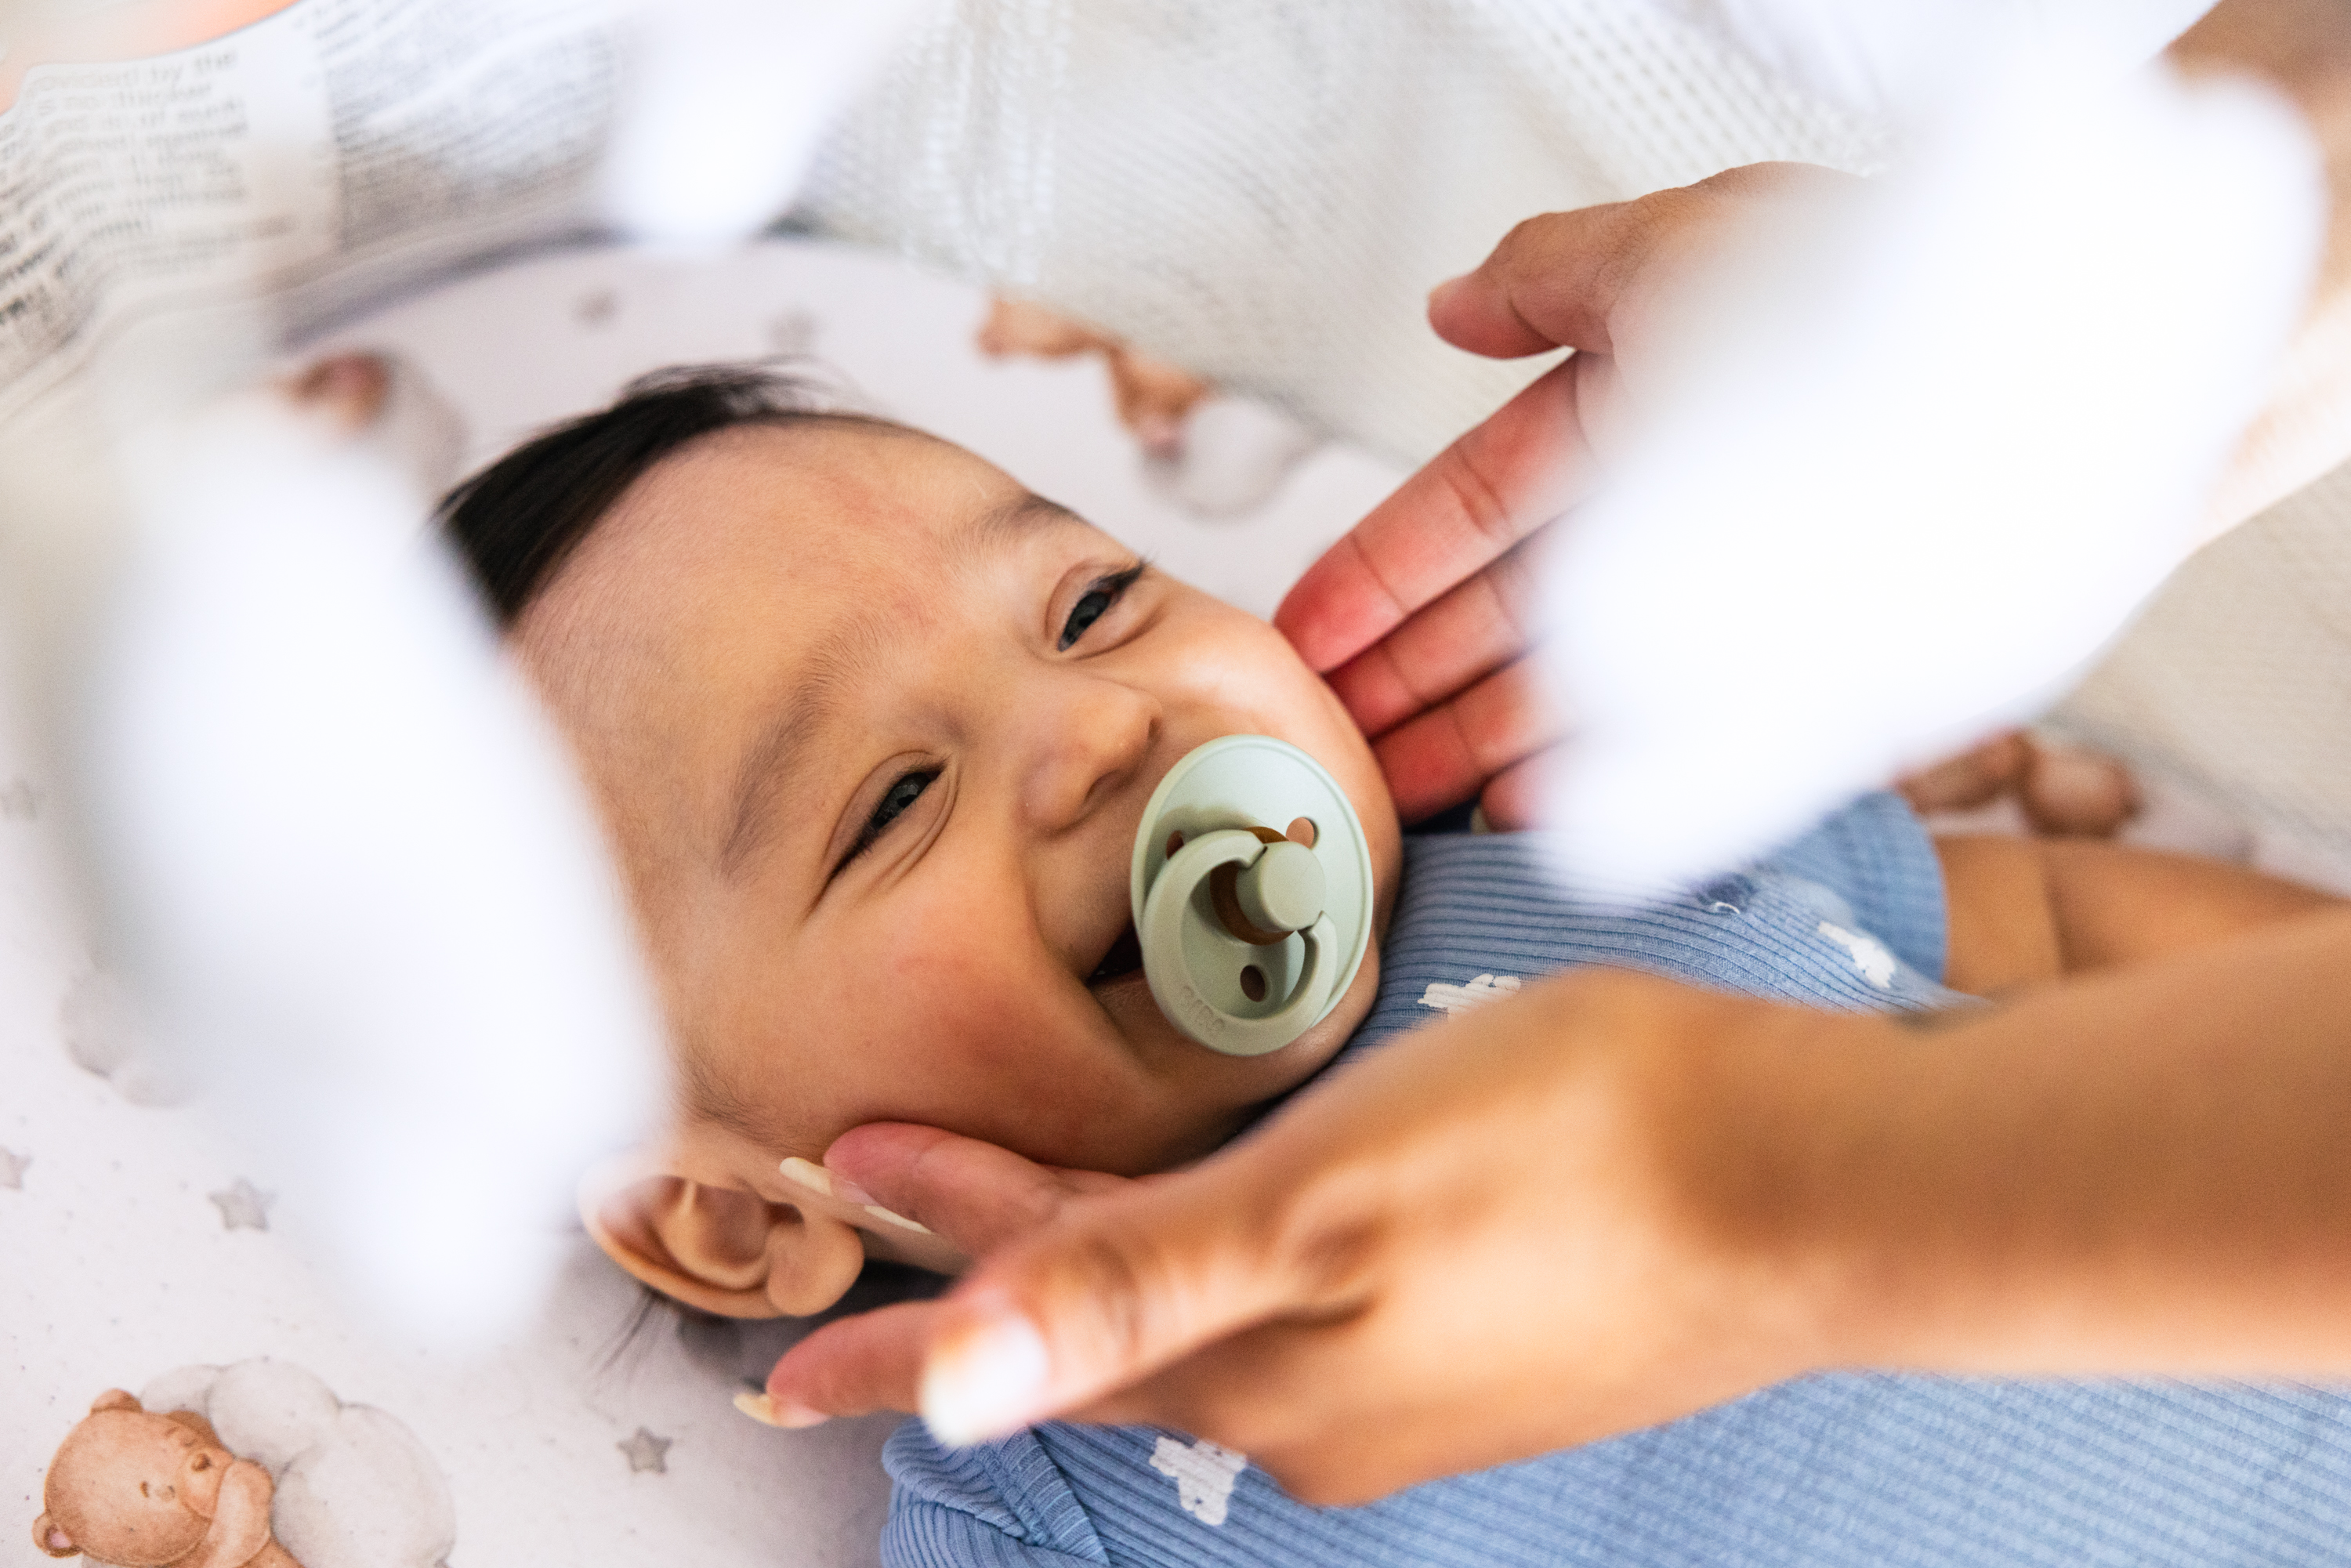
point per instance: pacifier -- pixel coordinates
(1251, 885)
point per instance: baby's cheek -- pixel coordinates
(1002, 1046)
(967, 978)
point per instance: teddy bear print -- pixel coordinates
(146, 1490)
(253, 1465)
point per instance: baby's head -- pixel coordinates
(872, 728)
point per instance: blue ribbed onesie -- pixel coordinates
(1839, 1471)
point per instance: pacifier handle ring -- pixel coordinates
(1162, 930)
(1279, 1028)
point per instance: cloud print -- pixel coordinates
(355, 1489)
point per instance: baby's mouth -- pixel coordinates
(1125, 958)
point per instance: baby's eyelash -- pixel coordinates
(893, 804)
(1107, 590)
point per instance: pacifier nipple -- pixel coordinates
(1280, 892)
(1250, 936)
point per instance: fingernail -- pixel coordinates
(986, 1384)
(816, 1179)
(889, 1217)
(764, 1409)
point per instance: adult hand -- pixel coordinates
(976, 1196)
(1611, 1199)
(1420, 615)
(1513, 1180)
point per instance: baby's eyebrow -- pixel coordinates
(775, 757)
(1014, 519)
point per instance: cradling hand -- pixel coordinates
(1509, 1232)
(1422, 615)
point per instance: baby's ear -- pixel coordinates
(52, 1540)
(719, 1249)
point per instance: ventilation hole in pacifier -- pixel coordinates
(1175, 843)
(1301, 832)
(1253, 983)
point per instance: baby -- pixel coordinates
(873, 728)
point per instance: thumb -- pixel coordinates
(1572, 279)
(1550, 284)
(976, 1195)
(1121, 1286)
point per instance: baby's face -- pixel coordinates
(873, 729)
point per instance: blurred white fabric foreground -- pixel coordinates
(370, 905)
(1936, 448)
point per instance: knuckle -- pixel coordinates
(1331, 1243)
(1128, 1293)
(1511, 582)
(1040, 1202)
(1532, 239)
(1474, 494)
(1407, 687)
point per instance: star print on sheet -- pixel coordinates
(646, 1452)
(1203, 1473)
(1869, 955)
(1476, 994)
(243, 1206)
(11, 1169)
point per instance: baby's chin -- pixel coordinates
(1209, 1097)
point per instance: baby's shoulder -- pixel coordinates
(1849, 916)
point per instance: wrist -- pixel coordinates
(1766, 1155)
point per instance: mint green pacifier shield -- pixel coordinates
(1249, 971)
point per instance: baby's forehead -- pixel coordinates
(763, 520)
(791, 496)
(720, 578)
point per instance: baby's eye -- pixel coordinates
(903, 793)
(896, 799)
(1096, 602)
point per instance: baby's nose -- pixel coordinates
(1082, 749)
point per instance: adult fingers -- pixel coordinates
(976, 1195)
(1121, 1287)
(1520, 469)
(1550, 284)
(1577, 280)
(1512, 798)
(851, 1366)
(1447, 755)
(973, 1193)
(1470, 633)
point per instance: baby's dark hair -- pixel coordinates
(515, 521)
